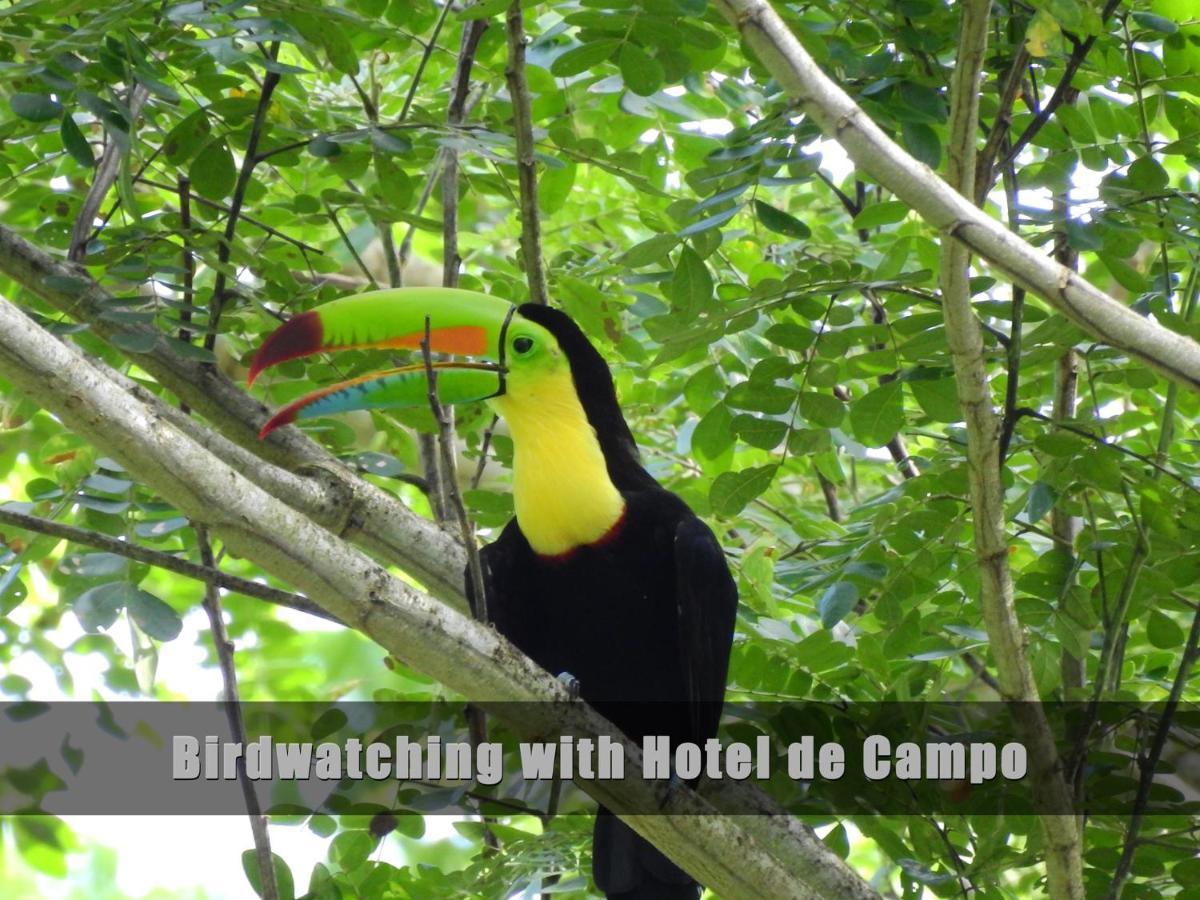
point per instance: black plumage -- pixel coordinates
(643, 618)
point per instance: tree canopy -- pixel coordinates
(937, 476)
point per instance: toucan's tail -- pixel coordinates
(628, 867)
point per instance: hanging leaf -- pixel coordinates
(212, 172)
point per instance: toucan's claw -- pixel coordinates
(571, 683)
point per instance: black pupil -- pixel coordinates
(523, 344)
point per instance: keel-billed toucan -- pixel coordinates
(602, 574)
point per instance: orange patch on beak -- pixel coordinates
(464, 340)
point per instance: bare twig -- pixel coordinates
(107, 170)
(249, 220)
(349, 245)
(1149, 762)
(188, 259)
(531, 224)
(425, 54)
(268, 889)
(249, 161)
(163, 560)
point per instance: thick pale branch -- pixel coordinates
(1177, 357)
(1064, 865)
(762, 856)
(369, 516)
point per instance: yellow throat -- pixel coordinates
(561, 489)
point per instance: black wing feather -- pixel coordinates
(707, 599)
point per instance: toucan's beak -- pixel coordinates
(456, 321)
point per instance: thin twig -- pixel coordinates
(426, 53)
(249, 161)
(107, 170)
(163, 560)
(188, 259)
(1149, 763)
(518, 90)
(1012, 387)
(349, 244)
(220, 207)
(1061, 92)
(268, 889)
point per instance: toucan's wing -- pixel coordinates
(706, 596)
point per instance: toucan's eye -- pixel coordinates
(522, 344)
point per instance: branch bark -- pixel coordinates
(339, 500)
(1176, 356)
(738, 856)
(518, 91)
(1064, 864)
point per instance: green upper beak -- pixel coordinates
(454, 321)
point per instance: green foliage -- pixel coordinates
(772, 321)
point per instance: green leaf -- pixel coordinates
(714, 434)
(1124, 274)
(1148, 176)
(154, 617)
(1163, 632)
(692, 285)
(134, 342)
(75, 143)
(823, 410)
(922, 142)
(877, 416)
(181, 141)
(1155, 23)
(643, 75)
(35, 107)
(339, 50)
(283, 875)
(878, 214)
(731, 491)
(1040, 501)
(839, 598)
(779, 221)
(791, 336)
(98, 607)
(212, 172)
(582, 58)
(713, 221)
(648, 251)
(758, 432)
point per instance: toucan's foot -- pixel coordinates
(674, 784)
(571, 683)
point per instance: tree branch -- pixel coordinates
(249, 161)
(1064, 864)
(531, 223)
(336, 497)
(223, 646)
(161, 560)
(1174, 355)
(738, 856)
